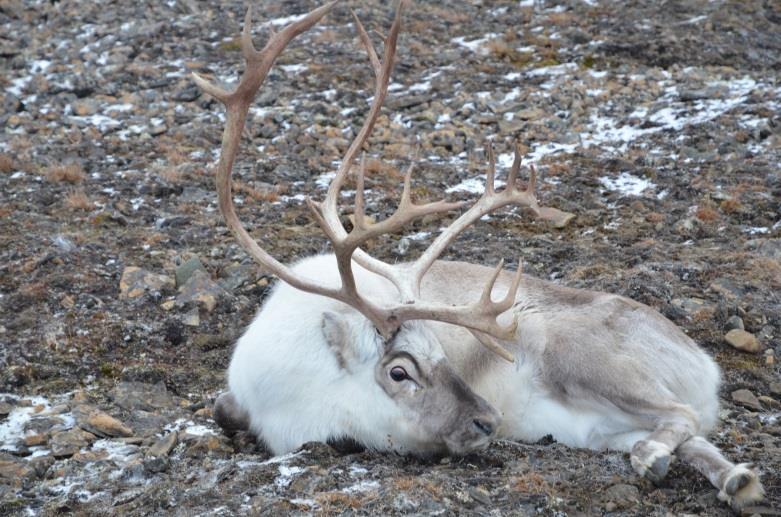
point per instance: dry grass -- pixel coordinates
(6, 163)
(337, 501)
(257, 194)
(71, 173)
(78, 200)
(171, 175)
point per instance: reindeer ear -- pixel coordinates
(336, 332)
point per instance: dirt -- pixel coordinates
(658, 126)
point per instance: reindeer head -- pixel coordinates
(385, 342)
(427, 406)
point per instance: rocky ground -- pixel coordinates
(121, 291)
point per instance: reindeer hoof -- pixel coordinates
(659, 468)
(741, 487)
(651, 460)
(229, 416)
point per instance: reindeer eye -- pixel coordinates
(398, 373)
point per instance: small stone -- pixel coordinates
(85, 108)
(97, 422)
(67, 443)
(186, 269)
(167, 306)
(743, 340)
(770, 357)
(164, 446)
(769, 402)
(775, 388)
(5, 408)
(202, 290)
(235, 275)
(132, 396)
(747, 399)
(734, 322)
(35, 440)
(694, 308)
(14, 472)
(136, 281)
(622, 495)
(192, 318)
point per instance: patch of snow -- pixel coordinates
(627, 184)
(102, 122)
(286, 475)
(362, 486)
(117, 451)
(419, 236)
(294, 69)
(12, 428)
(324, 180)
(476, 45)
(756, 230)
(285, 20)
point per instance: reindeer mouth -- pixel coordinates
(477, 435)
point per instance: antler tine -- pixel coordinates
(382, 72)
(490, 176)
(360, 211)
(516, 167)
(532, 179)
(367, 45)
(247, 47)
(237, 105)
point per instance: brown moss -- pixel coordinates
(654, 217)
(531, 483)
(6, 163)
(706, 214)
(70, 173)
(731, 206)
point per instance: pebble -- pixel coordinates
(734, 322)
(202, 290)
(621, 496)
(694, 308)
(67, 443)
(164, 446)
(185, 270)
(136, 281)
(131, 396)
(99, 423)
(743, 340)
(747, 399)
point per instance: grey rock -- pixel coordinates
(67, 443)
(236, 275)
(734, 322)
(622, 495)
(136, 281)
(139, 395)
(201, 290)
(164, 446)
(186, 269)
(747, 399)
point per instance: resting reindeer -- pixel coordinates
(418, 357)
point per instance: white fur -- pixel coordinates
(291, 383)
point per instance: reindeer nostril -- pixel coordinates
(484, 426)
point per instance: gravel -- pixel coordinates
(659, 128)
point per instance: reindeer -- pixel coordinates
(419, 358)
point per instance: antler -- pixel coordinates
(479, 317)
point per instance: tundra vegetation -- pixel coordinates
(657, 127)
